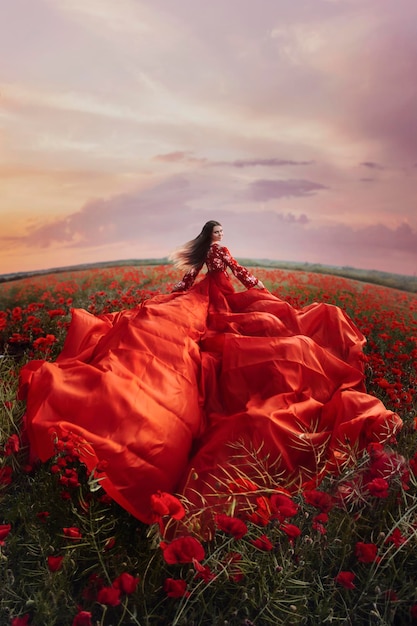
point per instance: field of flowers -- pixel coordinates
(344, 553)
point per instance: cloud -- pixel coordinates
(172, 157)
(121, 218)
(273, 162)
(380, 99)
(153, 221)
(273, 236)
(185, 156)
(264, 190)
(180, 156)
(371, 165)
(372, 247)
(402, 238)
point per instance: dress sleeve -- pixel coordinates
(188, 279)
(246, 278)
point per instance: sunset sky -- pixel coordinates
(126, 124)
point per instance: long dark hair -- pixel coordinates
(194, 252)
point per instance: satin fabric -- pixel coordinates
(194, 391)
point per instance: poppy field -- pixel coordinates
(341, 552)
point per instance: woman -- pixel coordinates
(198, 389)
(205, 248)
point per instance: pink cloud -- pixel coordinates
(269, 235)
(166, 215)
(273, 162)
(180, 157)
(121, 218)
(381, 103)
(264, 190)
(172, 157)
(372, 166)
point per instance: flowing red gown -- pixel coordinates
(196, 389)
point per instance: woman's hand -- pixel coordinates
(260, 284)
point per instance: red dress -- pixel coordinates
(196, 389)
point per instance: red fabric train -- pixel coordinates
(195, 389)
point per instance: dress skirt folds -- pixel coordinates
(191, 391)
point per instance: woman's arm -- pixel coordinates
(242, 273)
(188, 279)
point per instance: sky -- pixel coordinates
(126, 125)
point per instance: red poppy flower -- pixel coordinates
(319, 499)
(378, 487)
(366, 552)
(319, 521)
(413, 461)
(83, 618)
(232, 565)
(126, 583)
(56, 312)
(4, 531)
(69, 478)
(396, 538)
(166, 504)
(405, 479)
(345, 492)
(231, 525)
(17, 314)
(3, 321)
(6, 475)
(262, 543)
(55, 563)
(345, 579)
(262, 515)
(384, 463)
(282, 506)
(72, 532)
(20, 621)
(110, 543)
(60, 445)
(183, 550)
(43, 343)
(18, 338)
(110, 596)
(176, 588)
(43, 515)
(383, 383)
(12, 445)
(95, 583)
(203, 571)
(413, 611)
(291, 531)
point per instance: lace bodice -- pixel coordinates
(218, 260)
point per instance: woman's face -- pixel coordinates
(217, 234)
